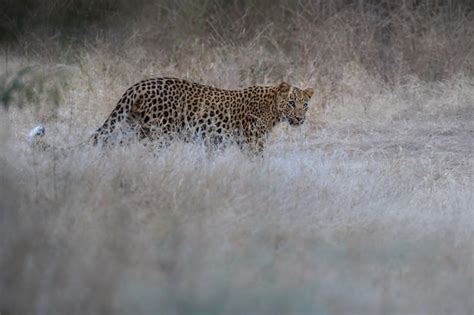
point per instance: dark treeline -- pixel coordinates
(432, 39)
(71, 18)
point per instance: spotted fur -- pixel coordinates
(168, 108)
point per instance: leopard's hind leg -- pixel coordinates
(119, 123)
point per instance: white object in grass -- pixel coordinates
(35, 133)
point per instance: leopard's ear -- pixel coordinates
(284, 87)
(309, 92)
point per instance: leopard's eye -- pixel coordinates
(292, 103)
(305, 105)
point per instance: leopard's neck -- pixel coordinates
(263, 106)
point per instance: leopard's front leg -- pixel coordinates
(255, 142)
(257, 146)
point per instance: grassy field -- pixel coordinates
(365, 209)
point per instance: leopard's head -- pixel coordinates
(292, 103)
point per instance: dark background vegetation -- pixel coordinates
(428, 38)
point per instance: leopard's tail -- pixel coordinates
(37, 142)
(129, 102)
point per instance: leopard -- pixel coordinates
(165, 109)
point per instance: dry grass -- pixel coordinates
(365, 209)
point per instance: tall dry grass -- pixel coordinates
(367, 208)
